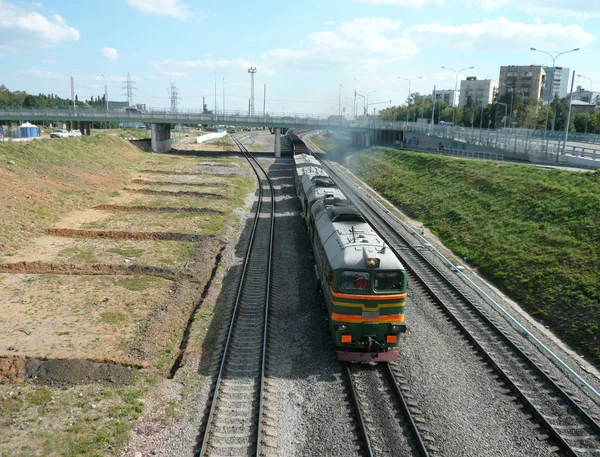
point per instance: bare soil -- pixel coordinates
(98, 295)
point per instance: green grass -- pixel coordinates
(91, 434)
(112, 317)
(137, 283)
(78, 254)
(533, 232)
(127, 252)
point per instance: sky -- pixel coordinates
(310, 55)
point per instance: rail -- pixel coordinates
(251, 269)
(558, 431)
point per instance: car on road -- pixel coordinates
(59, 133)
(75, 133)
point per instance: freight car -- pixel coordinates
(363, 283)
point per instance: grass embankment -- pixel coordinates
(43, 180)
(533, 232)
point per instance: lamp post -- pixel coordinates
(455, 88)
(512, 94)
(366, 104)
(408, 99)
(73, 90)
(505, 114)
(105, 92)
(553, 56)
(589, 99)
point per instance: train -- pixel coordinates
(361, 281)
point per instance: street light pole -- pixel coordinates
(512, 94)
(505, 113)
(589, 99)
(455, 88)
(550, 93)
(340, 104)
(408, 99)
(366, 103)
(105, 92)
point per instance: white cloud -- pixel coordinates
(499, 33)
(363, 42)
(406, 3)
(174, 74)
(174, 8)
(109, 53)
(22, 29)
(565, 8)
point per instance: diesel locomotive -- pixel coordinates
(362, 281)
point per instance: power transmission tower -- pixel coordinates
(174, 96)
(129, 87)
(252, 71)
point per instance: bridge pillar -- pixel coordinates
(161, 137)
(69, 125)
(368, 140)
(88, 128)
(277, 142)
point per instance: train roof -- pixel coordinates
(305, 160)
(332, 194)
(317, 179)
(348, 240)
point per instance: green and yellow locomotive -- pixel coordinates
(363, 283)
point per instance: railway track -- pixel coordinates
(385, 416)
(233, 425)
(560, 415)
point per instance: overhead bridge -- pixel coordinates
(161, 121)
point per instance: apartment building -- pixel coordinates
(558, 77)
(527, 80)
(449, 96)
(584, 95)
(477, 91)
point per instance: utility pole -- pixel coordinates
(265, 103)
(564, 148)
(215, 93)
(129, 87)
(72, 91)
(433, 107)
(105, 92)
(252, 71)
(354, 106)
(340, 104)
(174, 96)
(223, 96)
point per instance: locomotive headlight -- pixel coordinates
(341, 328)
(373, 262)
(398, 328)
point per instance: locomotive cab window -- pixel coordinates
(354, 280)
(388, 281)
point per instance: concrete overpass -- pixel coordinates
(524, 144)
(162, 120)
